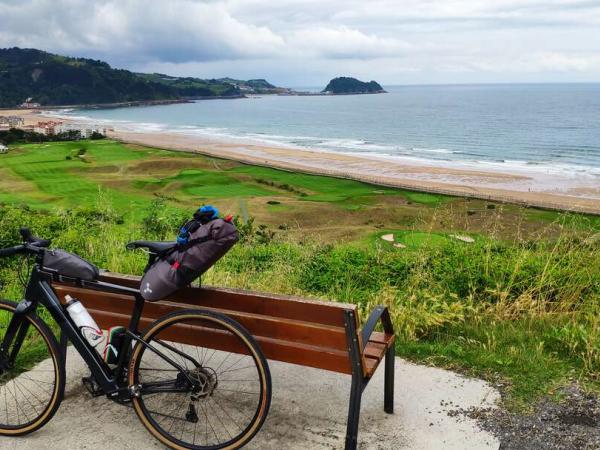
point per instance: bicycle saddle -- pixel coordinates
(153, 247)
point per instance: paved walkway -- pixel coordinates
(308, 412)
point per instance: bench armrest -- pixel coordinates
(380, 313)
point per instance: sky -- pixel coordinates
(306, 43)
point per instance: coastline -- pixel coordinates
(133, 103)
(488, 185)
(495, 185)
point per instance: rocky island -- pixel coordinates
(348, 85)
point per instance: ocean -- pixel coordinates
(550, 128)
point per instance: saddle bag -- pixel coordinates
(204, 247)
(69, 265)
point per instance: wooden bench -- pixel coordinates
(324, 335)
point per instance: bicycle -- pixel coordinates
(183, 393)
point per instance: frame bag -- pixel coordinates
(205, 246)
(69, 265)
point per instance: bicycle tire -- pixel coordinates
(147, 416)
(55, 387)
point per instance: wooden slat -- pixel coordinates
(267, 326)
(370, 366)
(296, 308)
(295, 353)
(289, 329)
(381, 338)
(374, 351)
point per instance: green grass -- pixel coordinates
(317, 188)
(63, 181)
(514, 352)
(521, 304)
(426, 198)
(110, 165)
(411, 239)
(203, 184)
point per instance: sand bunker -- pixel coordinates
(459, 237)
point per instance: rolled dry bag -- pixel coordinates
(178, 269)
(69, 265)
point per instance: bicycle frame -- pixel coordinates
(112, 382)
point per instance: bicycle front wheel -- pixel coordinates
(200, 381)
(32, 376)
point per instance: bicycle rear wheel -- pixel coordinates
(32, 381)
(202, 384)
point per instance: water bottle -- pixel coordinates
(86, 324)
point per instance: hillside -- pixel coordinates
(348, 85)
(51, 79)
(256, 86)
(193, 87)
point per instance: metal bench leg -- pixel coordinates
(353, 413)
(388, 393)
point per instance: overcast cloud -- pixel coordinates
(305, 43)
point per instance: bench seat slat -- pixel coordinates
(374, 352)
(381, 338)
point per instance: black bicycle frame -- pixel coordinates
(39, 292)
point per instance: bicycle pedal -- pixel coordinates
(92, 386)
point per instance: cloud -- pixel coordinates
(343, 42)
(174, 30)
(391, 40)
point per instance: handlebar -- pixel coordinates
(11, 250)
(31, 244)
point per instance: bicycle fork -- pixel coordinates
(15, 335)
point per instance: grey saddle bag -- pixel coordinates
(177, 269)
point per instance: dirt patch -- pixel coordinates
(167, 165)
(119, 184)
(102, 170)
(136, 146)
(571, 423)
(11, 183)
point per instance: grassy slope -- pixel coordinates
(517, 304)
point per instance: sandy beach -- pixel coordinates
(520, 188)
(530, 189)
(30, 116)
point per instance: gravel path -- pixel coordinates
(570, 424)
(308, 411)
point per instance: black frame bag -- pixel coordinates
(177, 269)
(70, 265)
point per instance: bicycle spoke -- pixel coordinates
(224, 388)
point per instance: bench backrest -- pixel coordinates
(289, 329)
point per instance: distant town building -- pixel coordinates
(3, 149)
(12, 121)
(29, 103)
(48, 128)
(85, 130)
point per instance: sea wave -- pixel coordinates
(434, 156)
